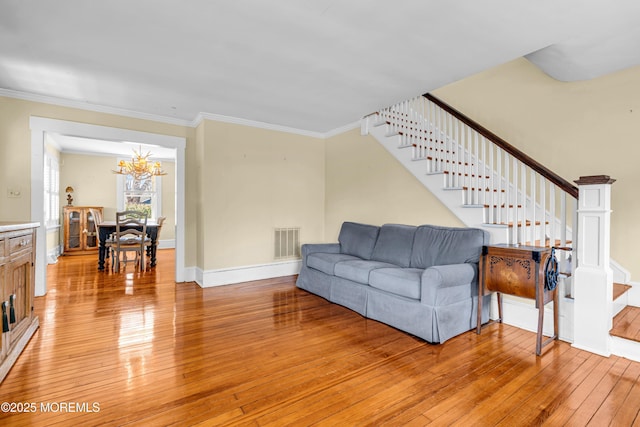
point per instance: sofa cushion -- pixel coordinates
(433, 245)
(394, 244)
(358, 270)
(326, 262)
(358, 239)
(399, 281)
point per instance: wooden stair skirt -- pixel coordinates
(626, 324)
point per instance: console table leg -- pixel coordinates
(540, 326)
(556, 316)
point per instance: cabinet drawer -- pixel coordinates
(2, 250)
(20, 243)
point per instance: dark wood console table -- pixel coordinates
(518, 270)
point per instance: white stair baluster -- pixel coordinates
(552, 215)
(477, 168)
(514, 203)
(534, 196)
(526, 231)
(455, 149)
(492, 184)
(499, 197)
(543, 210)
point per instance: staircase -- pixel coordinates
(488, 183)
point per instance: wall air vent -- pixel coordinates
(287, 243)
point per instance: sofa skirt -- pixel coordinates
(315, 282)
(349, 294)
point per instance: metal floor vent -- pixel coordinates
(287, 243)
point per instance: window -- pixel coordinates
(140, 195)
(51, 190)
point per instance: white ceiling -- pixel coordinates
(312, 65)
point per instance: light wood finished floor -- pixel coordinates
(150, 352)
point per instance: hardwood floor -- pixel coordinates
(138, 349)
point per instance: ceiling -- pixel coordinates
(313, 65)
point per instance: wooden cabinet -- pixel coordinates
(17, 287)
(80, 233)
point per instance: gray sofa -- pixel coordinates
(422, 280)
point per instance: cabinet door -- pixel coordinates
(74, 229)
(91, 239)
(19, 295)
(4, 293)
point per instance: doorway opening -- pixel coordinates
(40, 127)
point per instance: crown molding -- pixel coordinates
(81, 105)
(255, 124)
(342, 129)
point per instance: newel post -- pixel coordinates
(593, 283)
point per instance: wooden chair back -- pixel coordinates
(130, 236)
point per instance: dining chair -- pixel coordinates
(97, 221)
(130, 236)
(96, 214)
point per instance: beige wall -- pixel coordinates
(95, 185)
(169, 200)
(575, 129)
(366, 184)
(254, 180)
(92, 181)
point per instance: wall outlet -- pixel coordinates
(14, 192)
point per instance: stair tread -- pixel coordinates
(619, 289)
(626, 324)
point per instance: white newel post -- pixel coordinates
(593, 284)
(364, 124)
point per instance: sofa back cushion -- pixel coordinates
(358, 239)
(394, 244)
(434, 245)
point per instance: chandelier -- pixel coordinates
(140, 167)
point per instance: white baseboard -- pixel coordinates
(620, 274)
(227, 276)
(190, 274)
(53, 254)
(167, 244)
(522, 313)
(591, 350)
(625, 348)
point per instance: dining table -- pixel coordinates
(106, 228)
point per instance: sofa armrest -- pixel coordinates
(446, 284)
(309, 248)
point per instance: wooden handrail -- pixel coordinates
(548, 174)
